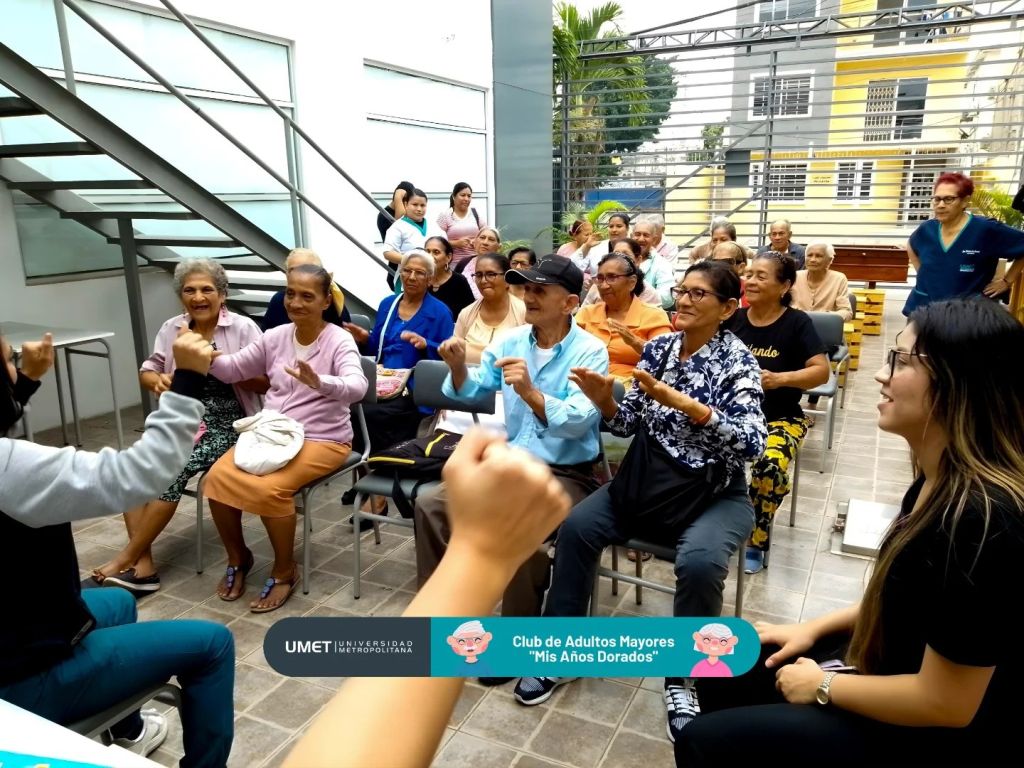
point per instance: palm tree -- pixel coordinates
(579, 84)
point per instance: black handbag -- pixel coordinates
(660, 495)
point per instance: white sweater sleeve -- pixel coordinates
(42, 485)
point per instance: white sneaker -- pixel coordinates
(154, 731)
(681, 706)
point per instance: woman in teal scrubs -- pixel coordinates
(956, 253)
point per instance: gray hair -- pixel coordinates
(829, 250)
(645, 221)
(789, 227)
(656, 220)
(208, 267)
(419, 253)
(716, 630)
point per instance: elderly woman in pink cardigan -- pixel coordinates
(315, 376)
(202, 286)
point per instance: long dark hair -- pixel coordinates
(970, 349)
(455, 190)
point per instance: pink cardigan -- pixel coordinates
(323, 412)
(233, 332)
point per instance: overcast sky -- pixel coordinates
(641, 14)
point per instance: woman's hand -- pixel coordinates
(462, 242)
(415, 339)
(596, 386)
(799, 681)
(304, 373)
(37, 357)
(792, 639)
(160, 383)
(453, 352)
(660, 391)
(361, 335)
(771, 380)
(634, 342)
(996, 287)
(591, 242)
(488, 524)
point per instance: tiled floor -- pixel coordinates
(616, 723)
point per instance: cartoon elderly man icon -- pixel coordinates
(470, 640)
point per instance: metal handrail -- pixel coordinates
(173, 90)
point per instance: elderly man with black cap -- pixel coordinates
(545, 413)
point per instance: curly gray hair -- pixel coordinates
(208, 267)
(426, 258)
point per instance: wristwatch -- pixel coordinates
(823, 695)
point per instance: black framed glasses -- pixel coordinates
(488, 276)
(947, 199)
(696, 295)
(612, 279)
(898, 357)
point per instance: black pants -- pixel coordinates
(745, 721)
(388, 422)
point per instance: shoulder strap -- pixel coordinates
(384, 328)
(476, 216)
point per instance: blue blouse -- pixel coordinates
(722, 374)
(432, 321)
(966, 266)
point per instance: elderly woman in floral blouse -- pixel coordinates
(698, 395)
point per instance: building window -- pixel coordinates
(895, 109)
(786, 181)
(853, 180)
(919, 177)
(790, 96)
(783, 10)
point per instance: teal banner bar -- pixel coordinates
(592, 647)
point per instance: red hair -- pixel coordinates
(964, 185)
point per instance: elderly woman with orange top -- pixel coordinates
(623, 322)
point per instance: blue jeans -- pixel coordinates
(702, 552)
(120, 658)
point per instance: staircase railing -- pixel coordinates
(291, 126)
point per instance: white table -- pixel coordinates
(68, 340)
(26, 733)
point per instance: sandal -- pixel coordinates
(631, 554)
(237, 571)
(270, 583)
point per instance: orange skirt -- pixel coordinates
(271, 495)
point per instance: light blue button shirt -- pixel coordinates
(571, 433)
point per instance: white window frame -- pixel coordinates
(891, 129)
(781, 168)
(863, 181)
(809, 74)
(932, 165)
(761, 6)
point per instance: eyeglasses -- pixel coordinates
(946, 200)
(896, 357)
(488, 276)
(206, 290)
(696, 295)
(601, 279)
(409, 274)
(520, 264)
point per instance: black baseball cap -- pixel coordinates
(550, 270)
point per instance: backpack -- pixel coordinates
(420, 459)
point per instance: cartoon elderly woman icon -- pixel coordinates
(715, 640)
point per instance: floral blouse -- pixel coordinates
(722, 374)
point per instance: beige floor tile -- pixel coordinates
(500, 718)
(579, 743)
(254, 740)
(630, 750)
(465, 751)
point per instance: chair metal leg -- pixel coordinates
(639, 575)
(740, 575)
(831, 422)
(615, 568)
(356, 554)
(794, 488)
(846, 382)
(199, 526)
(307, 532)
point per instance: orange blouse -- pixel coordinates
(643, 320)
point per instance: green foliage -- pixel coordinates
(996, 205)
(597, 216)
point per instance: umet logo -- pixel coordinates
(308, 646)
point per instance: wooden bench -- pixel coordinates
(872, 263)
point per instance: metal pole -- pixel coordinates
(129, 258)
(289, 151)
(65, 45)
(766, 163)
(564, 196)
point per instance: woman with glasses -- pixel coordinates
(698, 397)
(620, 320)
(521, 259)
(936, 683)
(792, 359)
(632, 249)
(202, 287)
(957, 253)
(447, 285)
(488, 240)
(409, 328)
(496, 311)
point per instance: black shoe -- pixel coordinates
(537, 690)
(489, 681)
(364, 524)
(348, 497)
(137, 585)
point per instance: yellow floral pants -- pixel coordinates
(769, 475)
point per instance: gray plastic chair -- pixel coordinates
(829, 327)
(100, 723)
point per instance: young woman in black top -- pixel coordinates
(792, 359)
(939, 673)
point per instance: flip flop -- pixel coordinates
(631, 554)
(270, 583)
(233, 572)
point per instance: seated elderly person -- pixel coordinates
(337, 313)
(315, 376)
(818, 288)
(780, 240)
(622, 322)
(67, 654)
(494, 313)
(722, 231)
(656, 272)
(735, 255)
(202, 286)
(661, 245)
(545, 413)
(488, 240)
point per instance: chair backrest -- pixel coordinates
(363, 322)
(370, 372)
(618, 391)
(829, 327)
(853, 303)
(429, 376)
